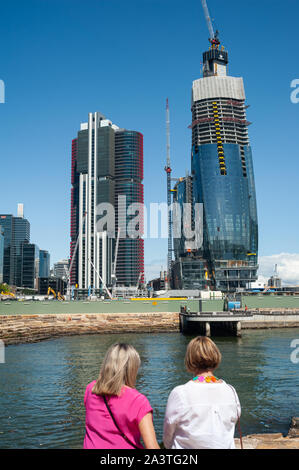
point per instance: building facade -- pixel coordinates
(222, 177)
(61, 269)
(16, 231)
(105, 167)
(30, 265)
(44, 264)
(129, 189)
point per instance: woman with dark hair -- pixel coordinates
(117, 415)
(202, 413)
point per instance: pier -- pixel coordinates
(213, 323)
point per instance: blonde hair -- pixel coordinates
(202, 354)
(119, 368)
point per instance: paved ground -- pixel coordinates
(268, 441)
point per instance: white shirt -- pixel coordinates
(201, 416)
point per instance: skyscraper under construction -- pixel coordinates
(222, 179)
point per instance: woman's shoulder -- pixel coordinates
(135, 397)
(89, 386)
(179, 390)
(134, 394)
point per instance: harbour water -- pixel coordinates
(42, 384)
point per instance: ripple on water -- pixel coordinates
(42, 384)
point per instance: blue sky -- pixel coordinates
(61, 59)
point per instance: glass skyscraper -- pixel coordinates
(107, 163)
(222, 177)
(30, 265)
(23, 262)
(44, 264)
(16, 232)
(128, 184)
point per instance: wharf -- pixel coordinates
(213, 323)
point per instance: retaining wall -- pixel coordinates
(32, 328)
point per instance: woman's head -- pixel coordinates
(119, 368)
(202, 354)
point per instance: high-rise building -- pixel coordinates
(1, 253)
(30, 265)
(16, 232)
(222, 177)
(44, 264)
(23, 262)
(128, 184)
(106, 169)
(61, 269)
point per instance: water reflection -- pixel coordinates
(42, 385)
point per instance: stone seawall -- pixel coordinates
(16, 329)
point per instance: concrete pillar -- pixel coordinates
(238, 329)
(208, 329)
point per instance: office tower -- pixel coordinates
(30, 265)
(44, 264)
(128, 184)
(189, 271)
(102, 171)
(222, 176)
(61, 269)
(16, 231)
(1, 254)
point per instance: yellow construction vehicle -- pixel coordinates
(51, 291)
(60, 297)
(57, 296)
(8, 293)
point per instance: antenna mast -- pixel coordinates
(168, 175)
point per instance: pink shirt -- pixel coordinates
(128, 410)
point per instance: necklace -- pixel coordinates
(208, 378)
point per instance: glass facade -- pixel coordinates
(6, 222)
(230, 217)
(44, 264)
(16, 231)
(30, 265)
(222, 180)
(128, 184)
(107, 164)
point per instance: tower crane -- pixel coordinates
(68, 272)
(113, 275)
(168, 175)
(214, 39)
(101, 279)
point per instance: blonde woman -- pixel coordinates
(117, 415)
(202, 413)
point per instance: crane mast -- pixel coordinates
(213, 35)
(168, 176)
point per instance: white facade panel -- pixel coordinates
(218, 87)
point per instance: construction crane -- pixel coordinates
(68, 272)
(214, 40)
(137, 285)
(168, 176)
(113, 275)
(101, 279)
